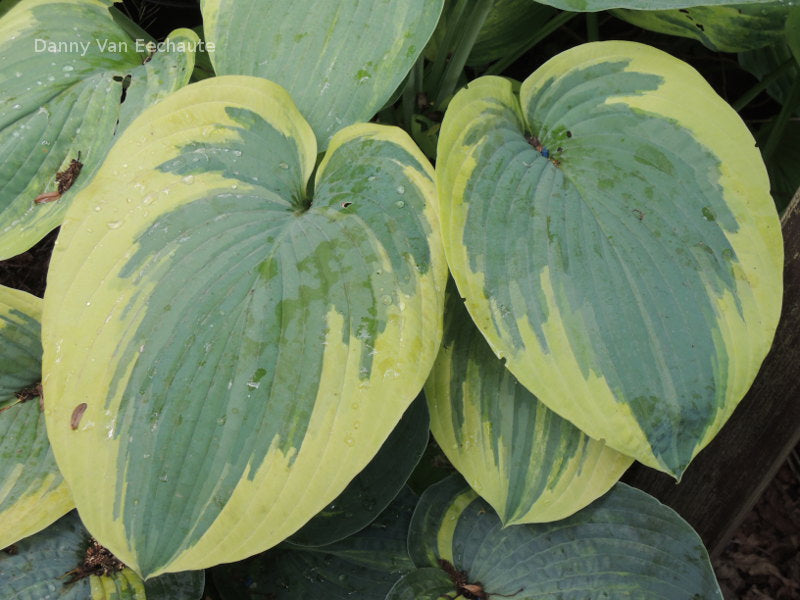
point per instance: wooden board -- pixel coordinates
(726, 479)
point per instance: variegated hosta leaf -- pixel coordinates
(32, 492)
(340, 61)
(597, 5)
(364, 566)
(71, 77)
(526, 461)
(228, 348)
(726, 28)
(370, 492)
(632, 278)
(45, 567)
(624, 545)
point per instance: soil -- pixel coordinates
(762, 561)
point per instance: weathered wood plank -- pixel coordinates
(726, 479)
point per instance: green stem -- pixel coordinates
(409, 99)
(592, 27)
(466, 40)
(556, 22)
(453, 16)
(779, 125)
(765, 82)
(419, 76)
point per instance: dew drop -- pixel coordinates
(97, 208)
(350, 441)
(401, 189)
(399, 204)
(163, 477)
(68, 68)
(253, 384)
(284, 165)
(114, 224)
(387, 300)
(188, 179)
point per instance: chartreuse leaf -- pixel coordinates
(526, 461)
(71, 77)
(726, 28)
(242, 347)
(375, 487)
(364, 566)
(51, 566)
(624, 545)
(632, 280)
(32, 492)
(340, 61)
(597, 5)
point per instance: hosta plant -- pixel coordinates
(259, 270)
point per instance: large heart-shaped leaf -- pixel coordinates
(32, 492)
(526, 461)
(340, 61)
(228, 348)
(71, 77)
(52, 565)
(613, 235)
(727, 28)
(624, 545)
(364, 566)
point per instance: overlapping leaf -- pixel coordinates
(228, 348)
(32, 492)
(726, 28)
(364, 566)
(368, 494)
(777, 64)
(509, 27)
(613, 235)
(527, 462)
(71, 77)
(624, 545)
(340, 61)
(597, 5)
(48, 566)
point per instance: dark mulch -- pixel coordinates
(762, 562)
(28, 271)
